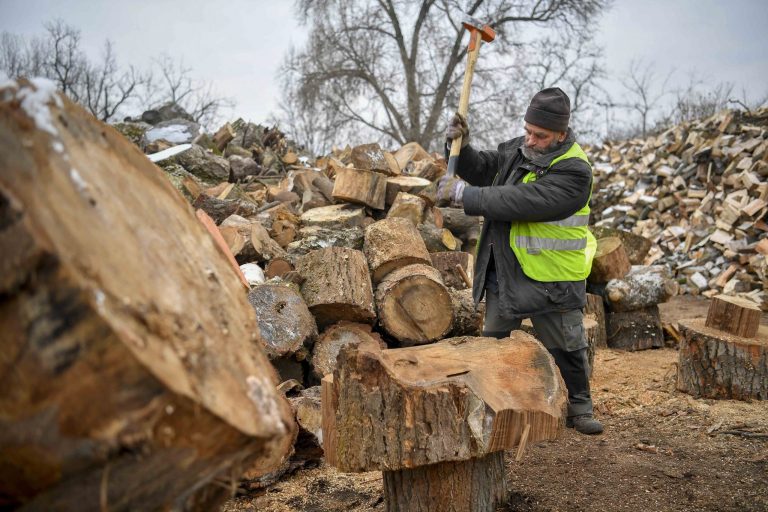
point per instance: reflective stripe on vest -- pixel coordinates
(560, 250)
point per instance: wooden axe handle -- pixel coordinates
(474, 51)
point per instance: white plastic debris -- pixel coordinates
(253, 273)
(168, 153)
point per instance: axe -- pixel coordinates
(478, 32)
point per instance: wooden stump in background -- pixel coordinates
(634, 330)
(435, 416)
(636, 246)
(467, 321)
(337, 285)
(446, 262)
(414, 305)
(361, 187)
(610, 262)
(391, 244)
(734, 315)
(467, 228)
(716, 364)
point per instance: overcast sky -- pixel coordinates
(239, 44)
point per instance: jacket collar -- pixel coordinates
(544, 160)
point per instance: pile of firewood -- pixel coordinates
(698, 192)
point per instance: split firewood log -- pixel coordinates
(358, 186)
(456, 268)
(264, 247)
(220, 209)
(437, 239)
(334, 216)
(643, 286)
(408, 207)
(734, 315)
(284, 321)
(408, 184)
(129, 380)
(596, 310)
(636, 246)
(467, 320)
(312, 238)
(337, 285)
(391, 244)
(370, 157)
(436, 419)
(467, 228)
(414, 305)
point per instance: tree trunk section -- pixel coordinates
(334, 216)
(474, 485)
(715, 364)
(467, 228)
(610, 261)
(636, 246)
(406, 184)
(336, 337)
(284, 321)
(414, 305)
(734, 315)
(361, 187)
(644, 286)
(437, 239)
(596, 309)
(312, 238)
(130, 380)
(635, 330)
(592, 333)
(278, 267)
(391, 244)
(337, 286)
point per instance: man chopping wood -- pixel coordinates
(535, 250)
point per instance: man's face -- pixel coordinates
(539, 139)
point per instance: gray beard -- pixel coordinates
(531, 153)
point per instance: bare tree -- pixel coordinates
(644, 91)
(392, 69)
(65, 62)
(107, 88)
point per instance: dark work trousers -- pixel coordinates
(562, 333)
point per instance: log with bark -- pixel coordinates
(391, 244)
(439, 417)
(636, 246)
(734, 315)
(451, 264)
(220, 209)
(264, 247)
(639, 329)
(284, 321)
(358, 186)
(716, 364)
(312, 238)
(467, 320)
(370, 157)
(610, 261)
(467, 228)
(336, 337)
(407, 184)
(131, 381)
(438, 239)
(334, 216)
(337, 286)
(414, 305)
(595, 309)
(642, 287)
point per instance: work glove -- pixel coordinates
(457, 127)
(450, 191)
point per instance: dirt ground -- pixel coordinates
(662, 450)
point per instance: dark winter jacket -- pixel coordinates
(498, 194)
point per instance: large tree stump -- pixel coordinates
(361, 187)
(596, 309)
(644, 286)
(391, 244)
(734, 315)
(131, 381)
(451, 264)
(285, 324)
(610, 261)
(336, 337)
(337, 286)
(414, 305)
(716, 364)
(634, 330)
(432, 417)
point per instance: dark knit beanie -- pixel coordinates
(550, 109)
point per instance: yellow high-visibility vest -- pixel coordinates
(560, 250)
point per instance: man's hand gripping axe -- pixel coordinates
(478, 32)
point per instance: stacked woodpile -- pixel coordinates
(698, 191)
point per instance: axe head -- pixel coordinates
(472, 24)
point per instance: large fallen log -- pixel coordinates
(337, 285)
(644, 286)
(391, 244)
(130, 381)
(716, 364)
(439, 416)
(414, 305)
